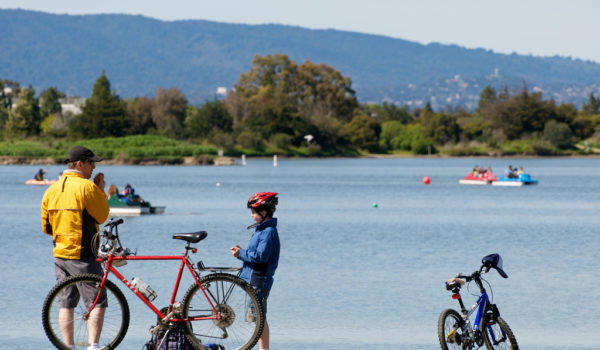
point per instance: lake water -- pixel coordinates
(351, 276)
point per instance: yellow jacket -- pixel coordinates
(72, 208)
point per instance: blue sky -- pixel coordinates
(536, 27)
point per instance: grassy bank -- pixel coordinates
(152, 149)
(129, 147)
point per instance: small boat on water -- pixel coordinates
(521, 180)
(134, 210)
(40, 182)
(128, 203)
(484, 179)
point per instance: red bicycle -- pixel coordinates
(219, 308)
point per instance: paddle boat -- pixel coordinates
(134, 210)
(520, 180)
(483, 179)
(40, 182)
(129, 204)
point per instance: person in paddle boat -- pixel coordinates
(133, 199)
(39, 176)
(115, 198)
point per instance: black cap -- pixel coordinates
(81, 153)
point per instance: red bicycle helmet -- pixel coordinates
(263, 201)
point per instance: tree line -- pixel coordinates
(285, 107)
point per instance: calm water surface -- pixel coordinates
(350, 275)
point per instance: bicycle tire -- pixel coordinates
(232, 297)
(499, 326)
(116, 316)
(450, 321)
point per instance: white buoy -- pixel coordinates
(243, 159)
(275, 160)
(218, 184)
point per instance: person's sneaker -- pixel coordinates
(250, 316)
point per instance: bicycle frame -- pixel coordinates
(185, 262)
(480, 305)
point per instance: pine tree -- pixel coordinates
(103, 114)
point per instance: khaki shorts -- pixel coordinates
(69, 298)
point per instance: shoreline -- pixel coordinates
(232, 161)
(184, 161)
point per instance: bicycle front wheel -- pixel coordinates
(65, 315)
(240, 314)
(450, 330)
(497, 335)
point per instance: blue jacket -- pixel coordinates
(262, 255)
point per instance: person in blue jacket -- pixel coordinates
(261, 257)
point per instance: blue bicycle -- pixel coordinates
(456, 331)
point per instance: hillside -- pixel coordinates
(141, 54)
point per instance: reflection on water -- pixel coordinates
(350, 275)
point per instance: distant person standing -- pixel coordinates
(72, 209)
(261, 257)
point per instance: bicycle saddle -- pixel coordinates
(193, 237)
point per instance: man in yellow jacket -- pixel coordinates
(72, 209)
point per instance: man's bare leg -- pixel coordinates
(94, 324)
(65, 321)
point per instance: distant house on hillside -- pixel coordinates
(72, 105)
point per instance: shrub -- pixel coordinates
(249, 139)
(282, 141)
(559, 134)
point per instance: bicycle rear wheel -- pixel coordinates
(116, 314)
(237, 326)
(450, 330)
(497, 335)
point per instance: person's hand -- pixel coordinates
(235, 251)
(99, 181)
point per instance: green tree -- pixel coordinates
(592, 106)
(487, 98)
(279, 96)
(139, 112)
(211, 117)
(389, 130)
(103, 113)
(522, 113)
(168, 112)
(558, 134)
(441, 128)
(363, 132)
(25, 118)
(582, 126)
(412, 139)
(388, 112)
(49, 102)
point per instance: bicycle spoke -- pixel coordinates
(230, 297)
